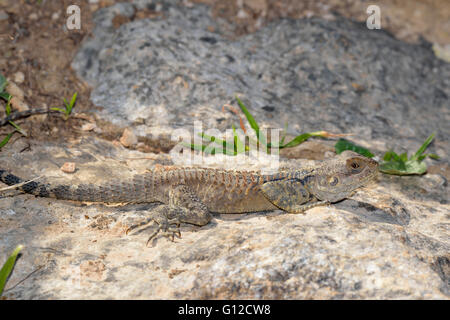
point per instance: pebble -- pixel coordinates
(88, 126)
(19, 77)
(68, 167)
(19, 105)
(33, 16)
(128, 138)
(55, 16)
(14, 90)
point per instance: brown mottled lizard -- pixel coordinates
(190, 194)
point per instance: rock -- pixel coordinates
(18, 104)
(388, 241)
(68, 167)
(128, 138)
(18, 96)
(33, 16)
(19, 77)
(14, 90)
(55, 15)
(88, 126)
(313, 74)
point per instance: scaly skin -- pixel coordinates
(190, 194)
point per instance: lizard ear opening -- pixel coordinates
(287, 195)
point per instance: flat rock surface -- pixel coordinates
(390, 240)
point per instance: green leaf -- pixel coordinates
(66, 103)
(238, 144)
(390, 155)
(8, 106)
(284, 134)
(205, 149)
(401, 165)
(5, 95)
(409, 167)
(344, 144)
(433, 156)
(5, 141)
(219, 141)
(3, 83)
(72, 102)
(58, 109)
(253, 124)
(7, 267)
(19, 129)
(423, 147)
(297, 140)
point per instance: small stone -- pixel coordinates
(33, 16)
(19, 77)
(68, 167)
(14, 90)
(55, 16)
(128, 138)
(18, 104)
(88, 126)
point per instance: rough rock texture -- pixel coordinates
(158, 74)
(390, 240)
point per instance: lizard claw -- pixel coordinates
(168, 228)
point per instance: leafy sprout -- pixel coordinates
(394, 163)
(5, 271)
(6, 96)
(237, 146)
(67, 106)
(402, 165)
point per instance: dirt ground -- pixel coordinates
(37, 49)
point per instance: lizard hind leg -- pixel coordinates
(183, 206)
(169, 227)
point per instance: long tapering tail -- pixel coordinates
(113, 192)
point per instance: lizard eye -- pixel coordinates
(354, 166)
(333, 181)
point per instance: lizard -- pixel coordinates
(191, 194)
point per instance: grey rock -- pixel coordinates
(160, 74)
(389, 241)
(383, 243)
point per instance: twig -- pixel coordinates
(26, 277)
(23, 114)
(18, 184)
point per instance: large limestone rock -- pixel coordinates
(390, 240)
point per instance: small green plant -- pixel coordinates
(344, 144)
(402, 165)
(67, 106)
(238, 146)
(6, 96)
(3, 94)
(8, 266)
(392, 162)
(6, 139)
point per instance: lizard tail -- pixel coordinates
(111, 192)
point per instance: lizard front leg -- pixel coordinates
(183, 206)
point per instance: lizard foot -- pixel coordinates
(168, 227)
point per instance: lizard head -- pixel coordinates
(338, 178)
